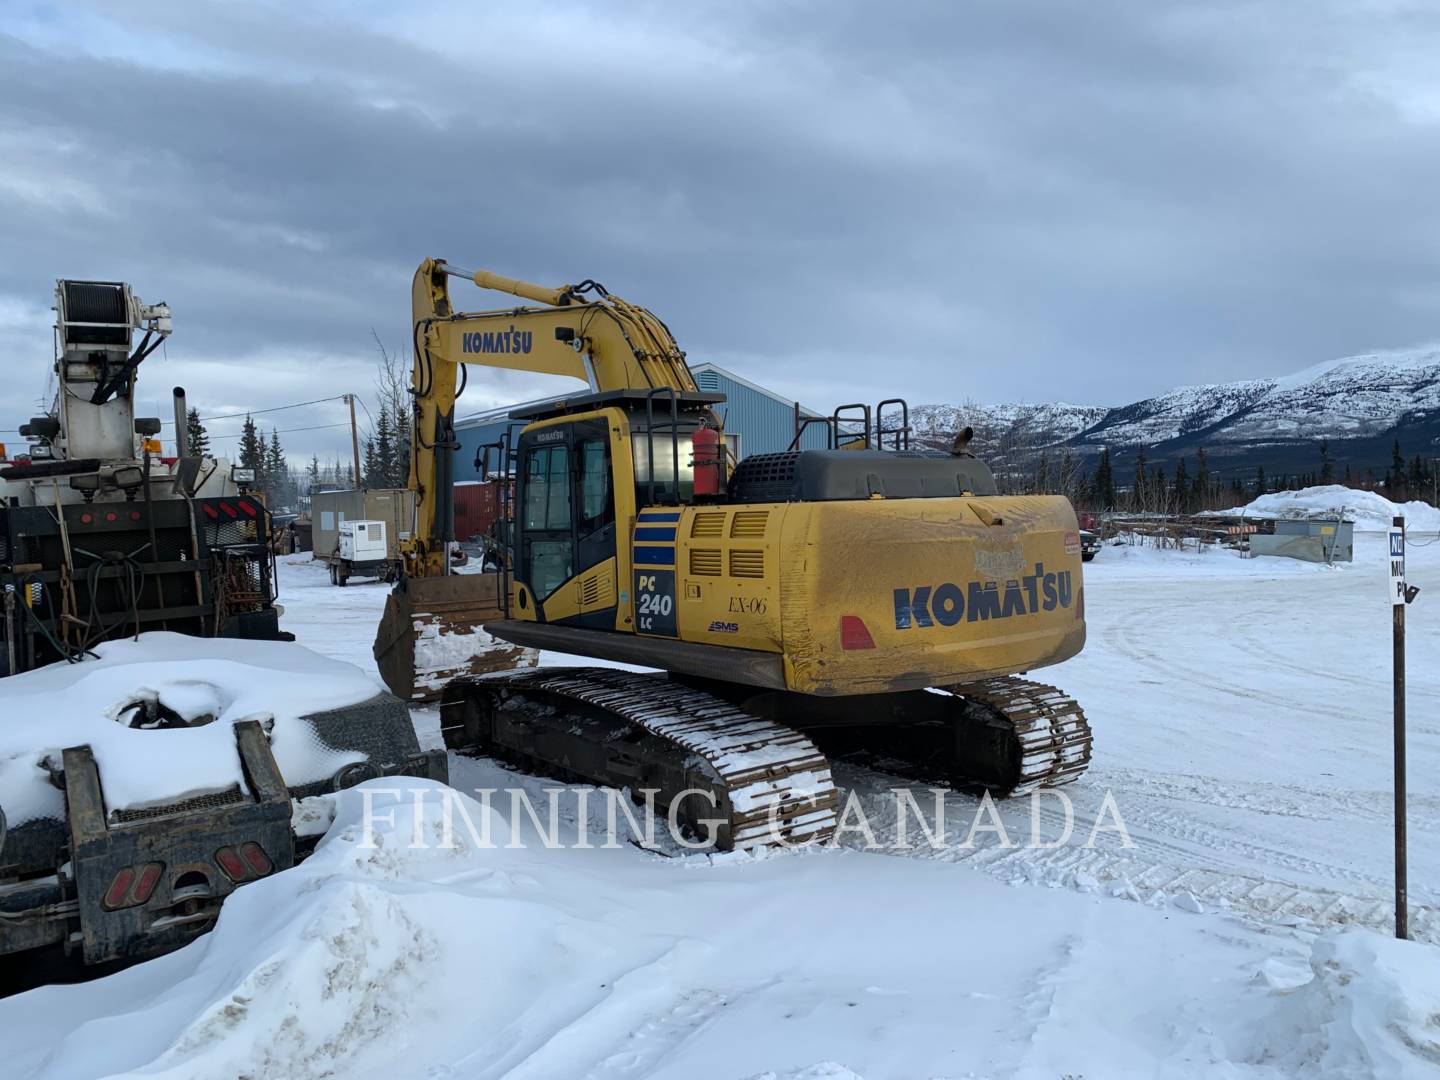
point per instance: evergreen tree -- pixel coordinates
(384, 449)
(197, 439)
(277, 472)
(1395, 478)
(1182, 487)
(313, 472)
(1259, 480)
(275, 456)
(374, 477)
(1201, 497)
(1105, 481)
(252, 452)
(1327, 467)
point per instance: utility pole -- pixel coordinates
(354, 440)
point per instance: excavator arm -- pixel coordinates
(433, 620)
(580, 331)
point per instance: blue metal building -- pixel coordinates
(757, 420)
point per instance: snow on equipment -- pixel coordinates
(811, 603)
(103, 539)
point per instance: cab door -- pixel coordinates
(567, 523)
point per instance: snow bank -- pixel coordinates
(44, 711)
(1369, 510)
(1372, 1009)
(403, 958)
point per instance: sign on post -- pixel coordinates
(1397, 565)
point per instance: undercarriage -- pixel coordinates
(747, 768)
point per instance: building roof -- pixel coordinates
(771, 394)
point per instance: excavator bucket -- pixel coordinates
(431, 633)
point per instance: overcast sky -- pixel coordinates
(1003, 200)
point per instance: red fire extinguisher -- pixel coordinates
(708, 460)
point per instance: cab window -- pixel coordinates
(547, 489)
(596, 507)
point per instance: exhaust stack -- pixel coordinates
(182, 417)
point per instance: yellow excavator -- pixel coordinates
(872, 602)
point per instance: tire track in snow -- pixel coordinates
(1156, 870)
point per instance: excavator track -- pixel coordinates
(1006, 735)
(765, 783)
(1052, 738)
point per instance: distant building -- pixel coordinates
(757, 420)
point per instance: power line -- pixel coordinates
(252, 412)
(258, 412)
(282, 431)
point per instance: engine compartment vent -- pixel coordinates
(705, 562)
(708, 524)
(749, 524)
(747, 564)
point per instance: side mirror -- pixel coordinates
(147, 425)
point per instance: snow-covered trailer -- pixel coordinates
(155, 786)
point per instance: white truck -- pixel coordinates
(361, 550)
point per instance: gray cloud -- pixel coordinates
(1001, 200)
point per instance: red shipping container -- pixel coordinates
(477, 505)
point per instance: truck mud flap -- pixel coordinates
(152, 883)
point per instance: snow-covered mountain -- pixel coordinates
(1358, 404)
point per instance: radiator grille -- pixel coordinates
(598, 590)
(229, 797)
(589, 591)
(747, 564)
(749, 524)
(705, 561)
(710, 524)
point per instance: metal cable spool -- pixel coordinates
(96, 302)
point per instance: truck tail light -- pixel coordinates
(132, 886)
(228, 859)
(256, 858)
(245, 862)
(119, 889)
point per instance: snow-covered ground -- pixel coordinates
(1242, 718)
